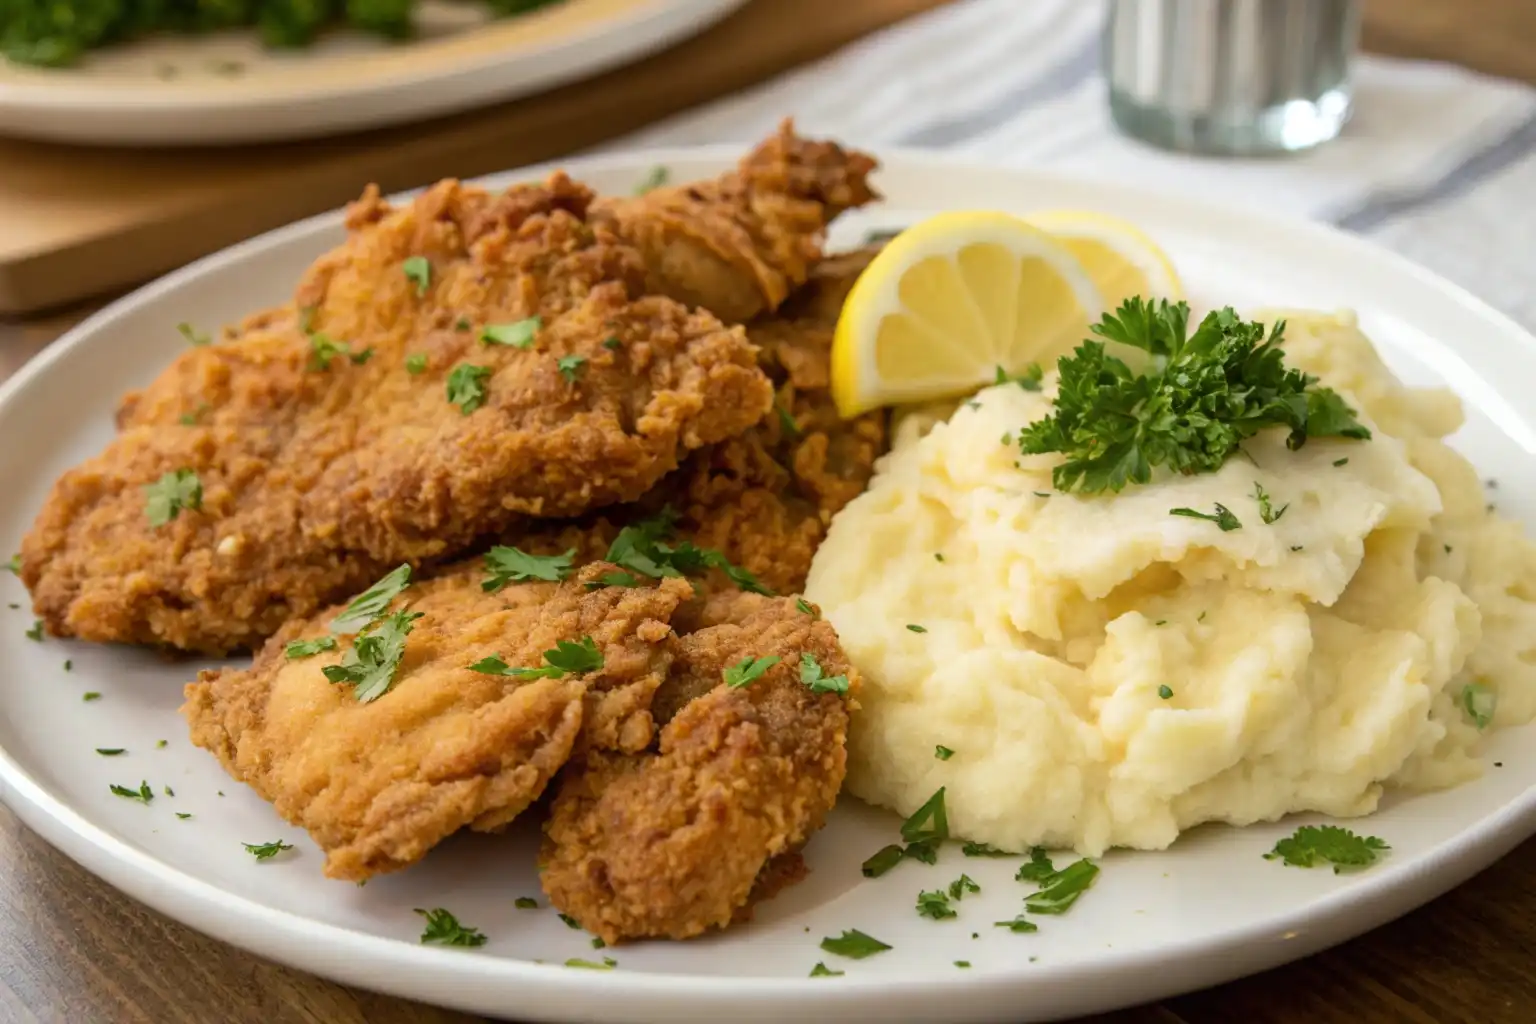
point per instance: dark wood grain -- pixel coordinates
(74, 950)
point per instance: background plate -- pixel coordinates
(1205, 911)
(227, 88)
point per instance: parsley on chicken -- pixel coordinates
(1200, 397)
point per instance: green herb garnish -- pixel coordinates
(930, 822)
(1480, 703)
(822, 971)
(526, 903)
(570, 367)
(914, 627)
(655, 178)
(1061, 889)
(143, 794)
(943, 753)
(566, 657)
(983, 850)
(1039, 867)
(416, 364)
(513, 565)
(466, 386)
(110, 751)
(935, 905)
(854, 944)
(419, 272)
(297, 649)
(882, 861)
(371, 664)
(608, 964)
(444, 930)
(170, 494)
(370, 606)
(192, 335)
(1311, 845)
(266, 851)
(811, 675)
(1018, 925)
(1266, 511)
(1222, 517)
(804, 607)
(517, 334)
(1201, 397)
(36, 632)
(747, 670)
(644, 548)
(1029, 380)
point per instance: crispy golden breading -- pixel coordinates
(673, 843)
(379, 784)
(740, 244)
(318, 471)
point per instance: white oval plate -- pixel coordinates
(1209, 909)
(227, 88)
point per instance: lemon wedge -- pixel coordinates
(1120, 259)
(951, 300)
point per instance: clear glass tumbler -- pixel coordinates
(1231, 76)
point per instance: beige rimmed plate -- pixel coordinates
(1208, 909)
(227, 88)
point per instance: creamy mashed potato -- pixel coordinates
(1108, 674)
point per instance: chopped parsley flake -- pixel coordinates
(1266, 512)
(183, 815)
(517, 334)
(36, 632)
(419, 272)
(570, 367)
(612, 344)
(1165, 691)
(323, 350)
(462, 324)
(983, 850)
(444, 929)
(1029, 380)
(655, 178)
(1341, 462)
(166, 497)
(615, 579)
(787, 422)
(608, 964)
(90, 695)
(297, 649)
(914, 627)
(466, 386)
(943, 753)
(513, 565)
(962, 885)
(1061, 889)
(369, 606)
(1222, 517)
(1480, 703)
(938, 556)
(1018, 925)
(161, 744)
(371, 664)
(169, 791)
(526, 903)
(804, 607)
(192, 335)
(1039, 867)
(1311, 845)
(812, 676)
(935, 905)
(565, 658)
(570, 922)
(962, 963)
(821, 970)
(14, 565)
(854, 944)
(415, 364)
(266, 851)
(110, 751)
(748, 670)
(143, 794)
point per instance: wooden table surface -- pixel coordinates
(74, 950)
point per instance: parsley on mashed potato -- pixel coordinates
(1108, 674)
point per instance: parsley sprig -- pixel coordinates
(371, 664)
(566, 657)
(1201, 396)
(1311, 845)
(645, 548)
(444, 929)
(513, 565)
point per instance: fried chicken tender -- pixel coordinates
(740, 244)
(378, 784)
(371, 424)
(679, 841)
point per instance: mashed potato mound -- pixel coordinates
(1108, 674)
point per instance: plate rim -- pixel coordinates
(393, 966)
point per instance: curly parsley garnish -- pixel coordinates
(748, 670)
(370, 606)
(517, 334)
(297, 649)
(513, 565)
(371, 664)
(1202, 396)
(266, 851)
(444, 929)
(1311, 845)
(935, 905)
(812, 675)
(1039, 867)
(854, 944)
(466, 386)
(1222, 517)
(418, 271)
(170, 494)
(567, 657)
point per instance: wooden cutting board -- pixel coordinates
(76, 222)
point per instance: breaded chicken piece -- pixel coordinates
(378, 784)
(765, 498)
(740, 244)
(372, 425)
(673, 843)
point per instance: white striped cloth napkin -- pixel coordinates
(1439, 163)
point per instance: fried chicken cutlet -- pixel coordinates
(459, 365)
(377, 783)
(674, 842)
